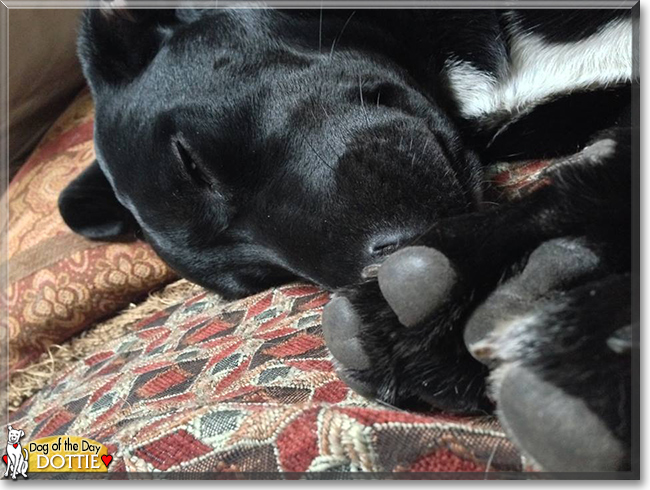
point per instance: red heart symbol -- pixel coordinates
(15, 445)
(107, 458)
(4, 458)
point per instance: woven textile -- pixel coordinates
(59, 282)
(247, 386)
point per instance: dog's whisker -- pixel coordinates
(337, 38)
(365, 111)
(489, 462)
(423, 153)
(317, 153)
(320, 30)
(324, 110)
(388, 405)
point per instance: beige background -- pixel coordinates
(44, 74)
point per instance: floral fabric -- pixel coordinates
(58, 282)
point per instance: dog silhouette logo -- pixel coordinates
(16, 458)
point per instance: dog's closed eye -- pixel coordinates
(193, 167)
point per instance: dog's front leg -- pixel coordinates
(14, 465)
(399, 336)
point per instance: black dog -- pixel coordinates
(249, 147)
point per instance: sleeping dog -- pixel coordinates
(350, 148)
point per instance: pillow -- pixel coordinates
(59, 282)
(249, 387)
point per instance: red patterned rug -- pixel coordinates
(247, 387)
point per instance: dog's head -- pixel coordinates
(252, 146)
(14, 435)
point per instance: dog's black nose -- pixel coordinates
(385, 244)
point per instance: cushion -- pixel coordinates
(249, 387)
(59, 282)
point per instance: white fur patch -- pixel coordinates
(600, 150)
(539, 70)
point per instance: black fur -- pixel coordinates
(254, 146)
(281, 141)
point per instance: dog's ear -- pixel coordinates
(22, 433)
(9, 428)
(116, 43)
(89, 207)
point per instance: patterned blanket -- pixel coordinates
(248, 387)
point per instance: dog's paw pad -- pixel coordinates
(557, 263)
(414, 281)
(341, 328)
(557, 430)
(554, 265)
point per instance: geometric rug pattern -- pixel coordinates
(248, 388)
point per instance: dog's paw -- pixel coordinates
(396, 337)
(555, 265)
(559, 342)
